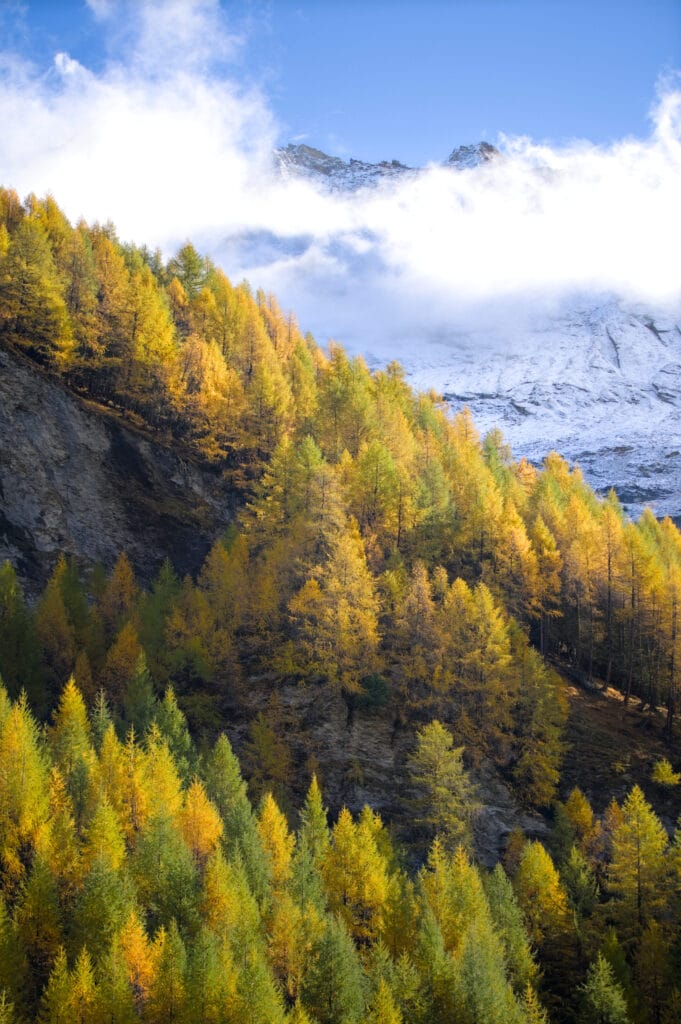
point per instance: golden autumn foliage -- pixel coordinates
(277, 841)
(200, 822)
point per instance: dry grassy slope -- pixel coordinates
(612, 747)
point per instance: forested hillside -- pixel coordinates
(383, 554)
(138, 884)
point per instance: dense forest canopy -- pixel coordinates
(138, 884)
(383, 553)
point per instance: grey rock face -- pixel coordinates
(466, 157)
(364, 758)
(73, 479)
(338, 175)
(331, 172)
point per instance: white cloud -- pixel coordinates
(169, 146)
(101, 8)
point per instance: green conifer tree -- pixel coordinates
(446, 802)
(333, 987)
(603, 999)
(227, 789)
(508, 920)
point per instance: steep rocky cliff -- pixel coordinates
(74, 479)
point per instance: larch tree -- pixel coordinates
(19, 664)
(382, 1008)
(483, 992)
(335, 617)
(445, 803)
(356, 878)
(24, 791)
(540, 894)
(121, 664)
(314, 828)
(508, 919)
(54, 632)
(227, 903)
(167, 991)
(517, 567)
(228, 791)
(119, 596)
(115, 1000)
(549, 584)
(33, 312)
(333, 989)
(70, 739)
(454, 893)
(277, 841)
(138, 959)
(200, 822)
(55, 1005)
(603, 999)
(637, 866)
(416, 637)
(101, 907)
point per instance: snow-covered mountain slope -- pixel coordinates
(589, 375)
(338, 175)
(335, 174)
(601, 384)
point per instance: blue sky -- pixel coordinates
(407, 80)
(384, 80)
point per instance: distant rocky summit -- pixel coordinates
(349, 175)
(467, 157)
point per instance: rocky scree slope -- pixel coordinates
(74, 479)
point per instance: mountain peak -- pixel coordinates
(301, 160)
(298, 156)
(465, 157)
(335, 173)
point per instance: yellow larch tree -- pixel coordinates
(138, 957)
(335, 616)
(540, 893)
(24, 790)
(161, 781)
(356, 877)
(120, 665)
(276, 839)
(200, 822)
(119, 596)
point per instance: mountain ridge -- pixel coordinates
(338, 175)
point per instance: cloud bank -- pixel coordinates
(166, 141)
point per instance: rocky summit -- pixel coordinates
(337, 175)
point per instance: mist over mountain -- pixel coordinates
(588, 372)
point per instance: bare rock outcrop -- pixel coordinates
(74, 479)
